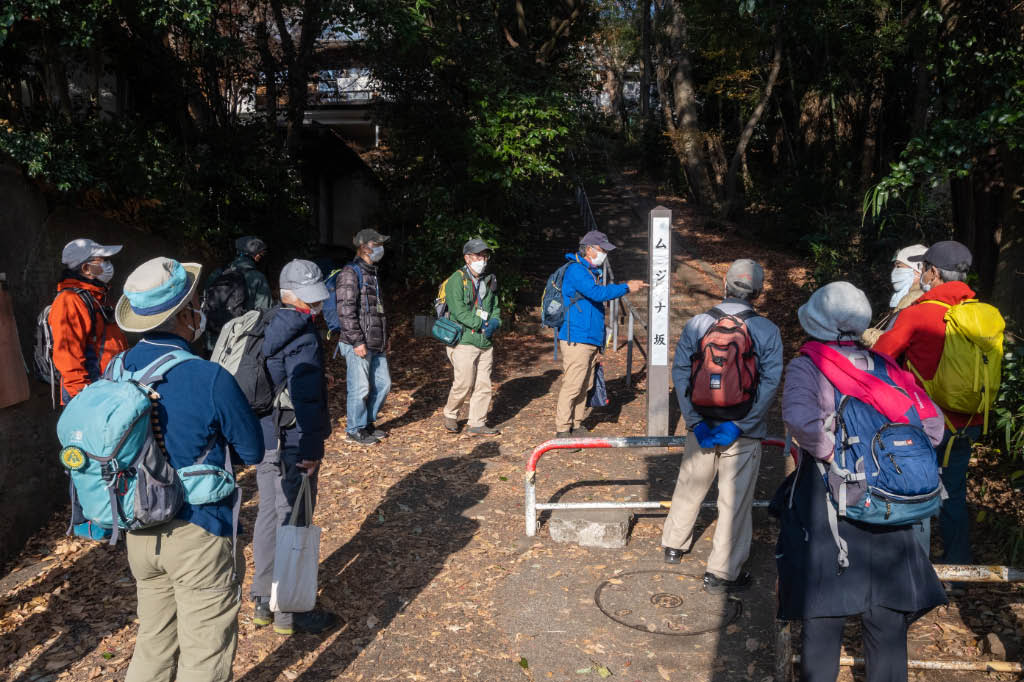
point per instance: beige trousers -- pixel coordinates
(736, 467)
(578, 362)
(188, 604)
(472, 367)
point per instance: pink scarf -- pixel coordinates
(866, 387)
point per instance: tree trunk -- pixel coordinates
(270, 71)
(988, 221)
(645, 58)
(748, 130)
(1009, 238)
(872, 119)
(681, 116)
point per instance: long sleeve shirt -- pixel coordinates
(200, 405)
(767, 350)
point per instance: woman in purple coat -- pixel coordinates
(889, 581)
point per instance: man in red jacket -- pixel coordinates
(917, 338)
(84, 338)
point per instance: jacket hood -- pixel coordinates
(576, 258)
(244, 261)
(288, 323)
(369, 267)
(948, 292)
(70, 280)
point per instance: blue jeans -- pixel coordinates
(368, 382)
(954, 522)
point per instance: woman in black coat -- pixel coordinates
(889, 581)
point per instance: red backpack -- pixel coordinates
(723, 375)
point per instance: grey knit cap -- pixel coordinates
(836, 310)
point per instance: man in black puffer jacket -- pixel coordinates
(364, 338)
(294, 439)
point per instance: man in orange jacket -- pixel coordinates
(84, 337)
(918, 337)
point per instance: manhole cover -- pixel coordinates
(665, 603)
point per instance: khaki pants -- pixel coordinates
(737, 467)
(188, 604)
(578, 362)
(472, 367)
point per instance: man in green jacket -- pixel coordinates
(472, 303)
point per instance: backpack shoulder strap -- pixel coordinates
(154, 371)
(746, 314)
(359, 273)
(945, 305)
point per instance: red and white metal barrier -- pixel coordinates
(532, 506)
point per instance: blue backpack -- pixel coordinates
(330, 310)
(882, 473)
(552, 309)
(120, 473)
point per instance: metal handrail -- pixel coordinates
(532, 506)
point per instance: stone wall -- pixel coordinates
(32, 235)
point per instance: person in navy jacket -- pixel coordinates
(581, 336)
(187, 585)
(294, 438)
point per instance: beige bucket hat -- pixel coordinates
(154, 292)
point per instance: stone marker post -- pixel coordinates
(659, 304)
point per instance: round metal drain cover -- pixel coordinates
(665, 603)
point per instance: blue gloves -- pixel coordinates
(490, 327)
(704, 434)
(726, 434)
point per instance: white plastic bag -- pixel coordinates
(296, 559)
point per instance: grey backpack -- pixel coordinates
(239, 350)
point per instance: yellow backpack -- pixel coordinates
(967, 378)
(441, 302)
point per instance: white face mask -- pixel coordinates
(902, 279)
(316, 308)
(376, 254)
(598, 260)
(107, 273)
(198, 331)
(478, 266)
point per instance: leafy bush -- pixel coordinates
(1009, 407)
(230, 182)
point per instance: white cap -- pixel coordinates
(80, 250)
(904, 254)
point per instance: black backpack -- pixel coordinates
(42, 352)
(226, 298)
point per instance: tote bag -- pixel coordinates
(296, 559)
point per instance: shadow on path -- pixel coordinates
(516, 394)
(400, 548)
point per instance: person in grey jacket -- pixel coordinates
(729, 449)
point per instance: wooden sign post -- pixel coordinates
(658, 307)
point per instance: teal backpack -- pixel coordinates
(114, 450)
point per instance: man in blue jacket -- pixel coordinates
(294, 436)
(188, 588)
(581, 336)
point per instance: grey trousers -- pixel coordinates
(278, 480)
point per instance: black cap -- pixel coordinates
(368, 235)
(250, 246)
(947, 255)
(597, 238)
(475, 245)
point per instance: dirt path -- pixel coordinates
(423, 552)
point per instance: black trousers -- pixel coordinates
(885, 646)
